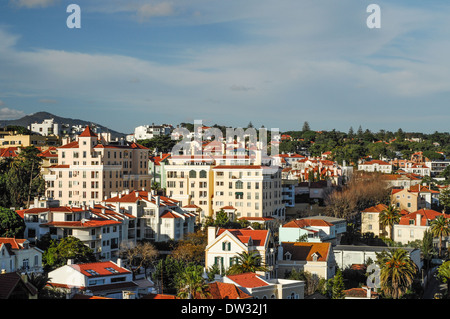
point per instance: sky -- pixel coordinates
(272, 63)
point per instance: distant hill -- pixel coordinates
(39, 117)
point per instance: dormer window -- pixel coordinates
(287, 256)
(315, 256)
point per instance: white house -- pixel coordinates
(376, 166)
(144, 132)
(316, 258)
(224, 245)
(105, 279)
(412, 226)
(262, 288)
(313, 229)
(18, 255)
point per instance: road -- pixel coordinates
(434, 286)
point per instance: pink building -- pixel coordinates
(89, 169)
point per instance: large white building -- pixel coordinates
(145, 132)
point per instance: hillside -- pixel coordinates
(40, 116)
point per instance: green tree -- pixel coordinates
(247, 262)
(337, 290)
(11, 224)
(444, 274)
(24, 179)
(67, 248)
(426, 248)
(221, 219)
(167, 271)
(160, 143)
(440, 227)
(389, 217)
(306, 127)
(444, 198)
(397, 272)
(191, 284)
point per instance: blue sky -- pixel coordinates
(274, 63)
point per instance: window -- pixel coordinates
(203, 174)
(239, 185)
(92, 272)
(192, 174)
(226, 246)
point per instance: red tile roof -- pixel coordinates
(100, 269)
(85, 224)
(306, 222)
(88, 132)
(375, 209)
(13, 243)
(425, 214)
(221, 290)
(304, 251)
(73, 144)
(259, 237)
(9, 152)
(248, 280)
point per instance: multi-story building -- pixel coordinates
(46, 128)
(144, 132)
(376, 166)
(215, 182)
(412, 226)
(89, 170)
(157, 218)
(99, 227)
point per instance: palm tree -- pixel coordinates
(389, 217)
(397, 272)
(247, 262)
(191, 283)
(440, 227)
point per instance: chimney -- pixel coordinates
(418, 219)
(158, 201)
(69, 261)
(211, 233)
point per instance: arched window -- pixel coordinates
(192, 174)
(239, 185)
(202, 174)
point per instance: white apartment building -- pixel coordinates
(89, 170)
(46, 128)
(376, 166)
(215, 182)
(145, 132)
(99, 227)
(157, 218)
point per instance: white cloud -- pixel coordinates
(294, 54)
(33, 3)
(8, 114)
(149, 10)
